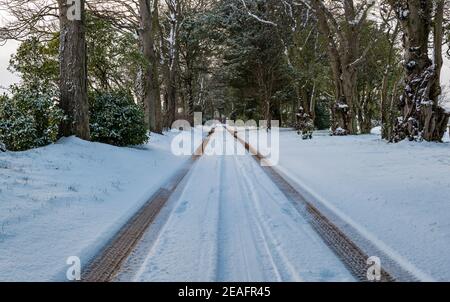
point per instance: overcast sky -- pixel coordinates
(6, 77)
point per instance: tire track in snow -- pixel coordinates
(281, 264)
(234, 226)
(219, 264)
(349, 253)
(235, 238)
(108, 263)
(268, 244)
(241, 256)
(268, 200)
(172, 249)
(241, 175)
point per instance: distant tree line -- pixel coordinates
(343, 65)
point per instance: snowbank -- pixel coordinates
(376, 131)
(69, 198)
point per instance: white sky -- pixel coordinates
(6, 77)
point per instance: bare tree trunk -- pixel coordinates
(172, 93)
(367, 113)
(422, 117)
(312, 104)
(73, 71)
(343, 65)
(386, 102)
(361, 109)
(171, 101)
(151, 88)
(174, 13)
(338, 108)
(190, 93)
(438, 35)
(384, 107)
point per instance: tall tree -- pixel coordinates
(170, 43)
(42, 19)
(196, 41)
(140, 18)
(422, 117)
(254, 61)
(73, 69)
(148, 30)
(392, 71)
(341, 22)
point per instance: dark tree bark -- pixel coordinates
(172, 69)
(264, 74)
(422, 117)
(387, 109)
(305, 111)
(190, 92)
(189, 81)
(151, 88)
(386, 100)
(172, 92)
(343, 48)
(73, 72)
(365, 106)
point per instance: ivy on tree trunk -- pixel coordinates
(422, 117)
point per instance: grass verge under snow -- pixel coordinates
(69, 198)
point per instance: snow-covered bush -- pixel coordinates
(340, 132)
(17, 130)
(116, 119)
(29, 119)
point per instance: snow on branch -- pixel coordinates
(363, 57)
(303, 2)
(256, 17)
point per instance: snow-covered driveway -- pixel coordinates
(230, 222)
(394, 195)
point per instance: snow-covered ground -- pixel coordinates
(230, 222)
(69, 198)
(398, 195)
